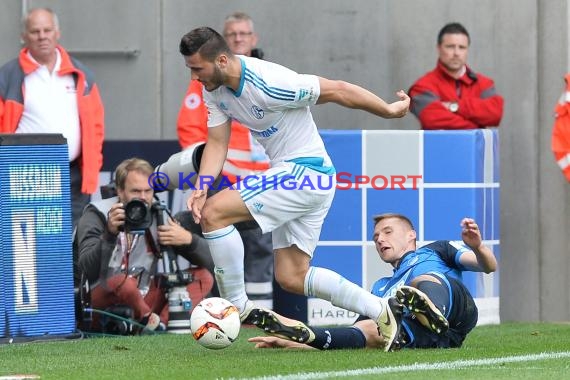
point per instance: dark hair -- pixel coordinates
(394, 215)
(452, 28)
(206, 41)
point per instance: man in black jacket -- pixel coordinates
(121, 262)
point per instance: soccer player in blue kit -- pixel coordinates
(273, 101)
(439, 311)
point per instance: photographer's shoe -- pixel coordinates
(151, 322)
(162, 327)
(423, 309)
(389, 323)
(282, 327)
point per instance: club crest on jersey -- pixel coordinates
(223, 106)
(257, 112)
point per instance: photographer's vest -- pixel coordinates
(132, 253)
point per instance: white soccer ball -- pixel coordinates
(215, 323)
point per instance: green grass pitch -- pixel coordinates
(505, 351)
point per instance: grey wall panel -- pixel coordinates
(180, 17)
(516, 78)
(553, 190)
(305, 36)
(120, 41)
(10, 16)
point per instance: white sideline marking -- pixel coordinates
(418, 366)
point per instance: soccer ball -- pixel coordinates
(215, 323)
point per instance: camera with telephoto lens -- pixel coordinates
(139, 215)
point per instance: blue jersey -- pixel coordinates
(440, 257)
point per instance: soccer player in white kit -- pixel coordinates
(292, 198)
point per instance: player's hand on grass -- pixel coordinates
(276, 342)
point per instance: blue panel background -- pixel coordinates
(345, 260)
(470, 281)
(344, 220)
(453, 156)
(345, 150)
(496, 215)
(449, 157)
(496, 161)
(490, 224)
(444, 209)
(497, 275)
(383, 201)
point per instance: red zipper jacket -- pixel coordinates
(89, 104)
(479, 104)
(561, 131)
(243, 157)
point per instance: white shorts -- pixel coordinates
(291, 201)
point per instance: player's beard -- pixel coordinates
(216, 81)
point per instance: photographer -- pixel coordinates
(121, 263)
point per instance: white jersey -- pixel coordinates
(273, 102)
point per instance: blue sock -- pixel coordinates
(337, 337)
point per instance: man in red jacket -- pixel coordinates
(44, 90)
(452, 96)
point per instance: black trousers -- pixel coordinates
(78, 199)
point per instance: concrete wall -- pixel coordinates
(383, 45)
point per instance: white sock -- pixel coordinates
(226, 248)
(331, 286)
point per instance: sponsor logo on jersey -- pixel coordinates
(306, 93)
(258, 206)
(267, 133)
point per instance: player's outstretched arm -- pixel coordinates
(482, 259)
(353, 96)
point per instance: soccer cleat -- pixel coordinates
(248, 315)
(401, 341)
(282, 327)
(422, 308)
(389, 323)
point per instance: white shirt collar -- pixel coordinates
(57, 65)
